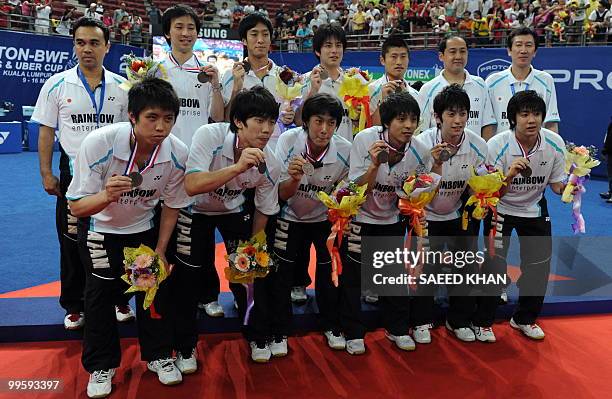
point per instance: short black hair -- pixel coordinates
(328, 31)
(393, 41)
(521, 32)
(397, 104)
(177, 11)
(444, 41)
(93, 23)
(452, 98)
(152, 93)
(257, 101)
(322, 104)
(250, 21)
(527, 100)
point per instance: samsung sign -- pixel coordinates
(220, 33)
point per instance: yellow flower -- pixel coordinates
(262, 258)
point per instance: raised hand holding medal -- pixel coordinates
(527, 171)
(137, 176)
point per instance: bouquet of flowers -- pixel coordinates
(342, 204)
(486, 181)
(138, 68)
(250, 261)
(579, 160)
(289, 86)
(419, 189)
(144, 271)
(354, 91)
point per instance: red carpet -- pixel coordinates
(572, 362)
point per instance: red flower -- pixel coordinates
(250, 250)
(286, 75)
(364, 74)
(136, 65)
(342, 193)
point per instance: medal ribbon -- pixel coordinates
(92, 94)
(316, 162)
(391, 147)
(456, 147)
(533, 150)
(188, 69)
(132, 159)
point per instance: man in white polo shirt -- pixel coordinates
(380, 215)
(328, 45)
(453, 52)
(395, 58)
(121, 173)
(255, 31)
(465, 150)
(521, 75)
(75, 102)
(532, 158)
(196, 84)
(225, 160)
(313, 159)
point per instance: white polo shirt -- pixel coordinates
(251, 80)
(381, 203)
(195, 97)
(455, 173)
(547, 164)
(481, 111)
(304, 206)
(64, 103)
(375, 90)
(503, 85)
(106, 152)
(332, 87)
(213, 149)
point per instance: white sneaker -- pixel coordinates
(532, 331)
(187, 365)
(298, 294)
(74, 321)
(504, 297)
(260, 353)
(404, 342)
(355, 346)
(166, 370)
(100, 383)
(484, 334)
(371, 299)
(124, 313)
(334, 341)
(421, 334)
(463, 334)
(278, 347)
(213, 309)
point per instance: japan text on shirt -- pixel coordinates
(212, 149)
(106, 152)
(332, 167)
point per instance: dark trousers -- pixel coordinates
(535, 252)
(301, 277)
(72, 273)
(102, 256)
(395, 309)
(291, 241)
(609, 163)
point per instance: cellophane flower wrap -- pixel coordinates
(138, 68)
(486, 182)
(250, 261)
(342, 204)
(418, 190)
(144, 271)
(579, 160)
(354, 91)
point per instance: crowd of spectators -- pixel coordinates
(481, 22)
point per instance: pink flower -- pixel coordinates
(582, 150)
(242, 263)
(143, 261)
(145, 281)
